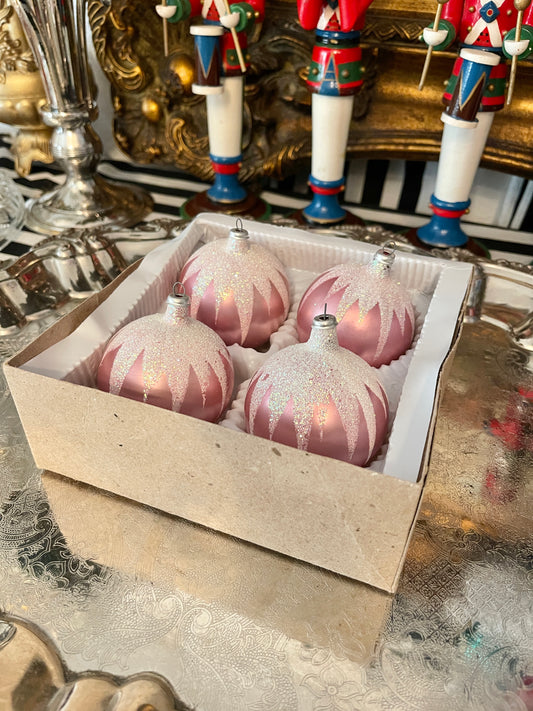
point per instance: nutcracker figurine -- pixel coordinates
(335, 76)
(221, 62)
(487, 31)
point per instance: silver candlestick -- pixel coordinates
(56, 32)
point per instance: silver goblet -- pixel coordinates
(56, 32)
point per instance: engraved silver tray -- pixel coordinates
(70, 267)
(119, 589)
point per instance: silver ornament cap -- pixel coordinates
(323, 331)
(324, 322)
(238, 238)
(383, 259)
(178, 303)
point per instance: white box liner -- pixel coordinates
(437, 288)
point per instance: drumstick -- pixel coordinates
(165, 33)
(236, 41)
(520, 5)
(165, 11)
(430, 48)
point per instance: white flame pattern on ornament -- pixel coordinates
(307, 378)
(364, 287)
(150, 340)
(236, 268)
(170, 360)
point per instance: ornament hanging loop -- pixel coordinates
(178, 303)
(238, 238)
(238, 231)
(178, 289)
(383, 259)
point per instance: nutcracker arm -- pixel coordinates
(245, 14)
(353, 13)
(309, 13)
(520, 48)
(174, 10)
(437, 36)
(440, 38)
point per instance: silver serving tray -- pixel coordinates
(121, 588)
(71, 267)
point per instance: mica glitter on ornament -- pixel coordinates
(374, 312)
(320, 398)
(170, 360)
(238, 288)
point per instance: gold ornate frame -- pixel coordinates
(158, 120)
(21, 94)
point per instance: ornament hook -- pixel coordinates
(178, 303)
(238, 230)
(178, 289)
(384, 258)
(238, 237)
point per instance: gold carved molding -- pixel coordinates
(158, 120)
(21, 94)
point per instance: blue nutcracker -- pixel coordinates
(335, 77)
(488, 32)
(221, 59)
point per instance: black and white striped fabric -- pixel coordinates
(392, 193)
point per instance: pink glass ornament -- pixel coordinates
(320, 398)
(374, 312)
(238, 288)
(170, 360)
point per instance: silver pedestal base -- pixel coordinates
(56, 32)
(95, 202)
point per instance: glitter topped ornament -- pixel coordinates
(320, 398)
(374, 312)
(238, 288)
(170, 360)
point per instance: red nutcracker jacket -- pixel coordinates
(483, 23)
(213, 9)
(352, 13)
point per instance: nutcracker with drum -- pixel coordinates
(487, 32)
(335, 77)
(221, 58)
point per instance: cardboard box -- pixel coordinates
(350, 520)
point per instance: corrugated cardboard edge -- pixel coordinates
(307, 516)
(426, 461)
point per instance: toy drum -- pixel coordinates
(208, 58)
(478, 79)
